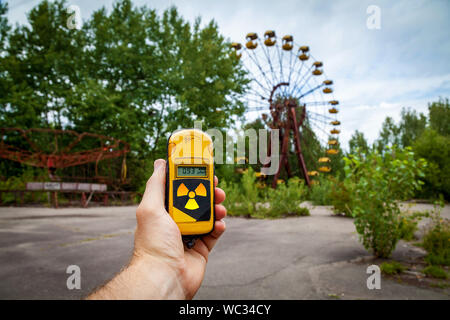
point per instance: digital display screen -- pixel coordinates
(191, 171)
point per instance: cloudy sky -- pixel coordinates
(404, 63)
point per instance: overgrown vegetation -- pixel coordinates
(436, 240)
(251, 199)
(429, 137)
(379, 181)
(319, 193)
(392, 267)
(435, 272)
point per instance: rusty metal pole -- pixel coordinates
(298, 148)
(283, 156)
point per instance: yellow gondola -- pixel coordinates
(260, 175)
(324, 159)
(335, 123)
(332, 142)
(327, 90)
(334, 102)
(237, 46)
(304, 49)
(317, 72)
(269, 35)
(303, 56)
(287, 43)
(241, 160)
(328, 82)
(313, 173)
(250, 44)
(332, 151)
(333, 110)
(335, 131)
(318, 64)
(251, 36)
(324, 169)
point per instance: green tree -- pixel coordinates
(358, 142)
(389, 135)
(435, 148)
(128, 73)
(410, 127)
(439, 116)
(40, 69)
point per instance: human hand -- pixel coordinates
(161, 266)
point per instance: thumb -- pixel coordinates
(153, 199)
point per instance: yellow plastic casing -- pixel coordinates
(190, 147)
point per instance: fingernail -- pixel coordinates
(158, 163)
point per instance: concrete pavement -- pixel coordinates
(316, 257)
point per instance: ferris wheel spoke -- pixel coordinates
(258, 108)
(267, 55)
(326, 134)
(291, 67)
(312, 118)
(255, 60)
(298, 81)
(310, 91)
(303, 83)
(257, 82)
(256, 101)
(280, 60)
(320, 115)
(321, 140)
(316, 103)
(256, 93)
(317, 127)
(297, 74)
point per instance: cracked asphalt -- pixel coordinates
(315, 257)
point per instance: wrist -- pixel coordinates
(158, 276)
(145, 278)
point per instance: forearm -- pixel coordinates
(143, 278)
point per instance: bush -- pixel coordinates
(341, 198)
(241, 198)
(436, 240)
(407, 228)
(19, 183)
(392, 267)
(435, 272)
(319, 193)
(380, 180)
(247, 199)
(285, 200)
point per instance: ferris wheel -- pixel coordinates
(290, 92)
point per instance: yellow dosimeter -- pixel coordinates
(190, 183)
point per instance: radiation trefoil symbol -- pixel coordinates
(191, 204)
